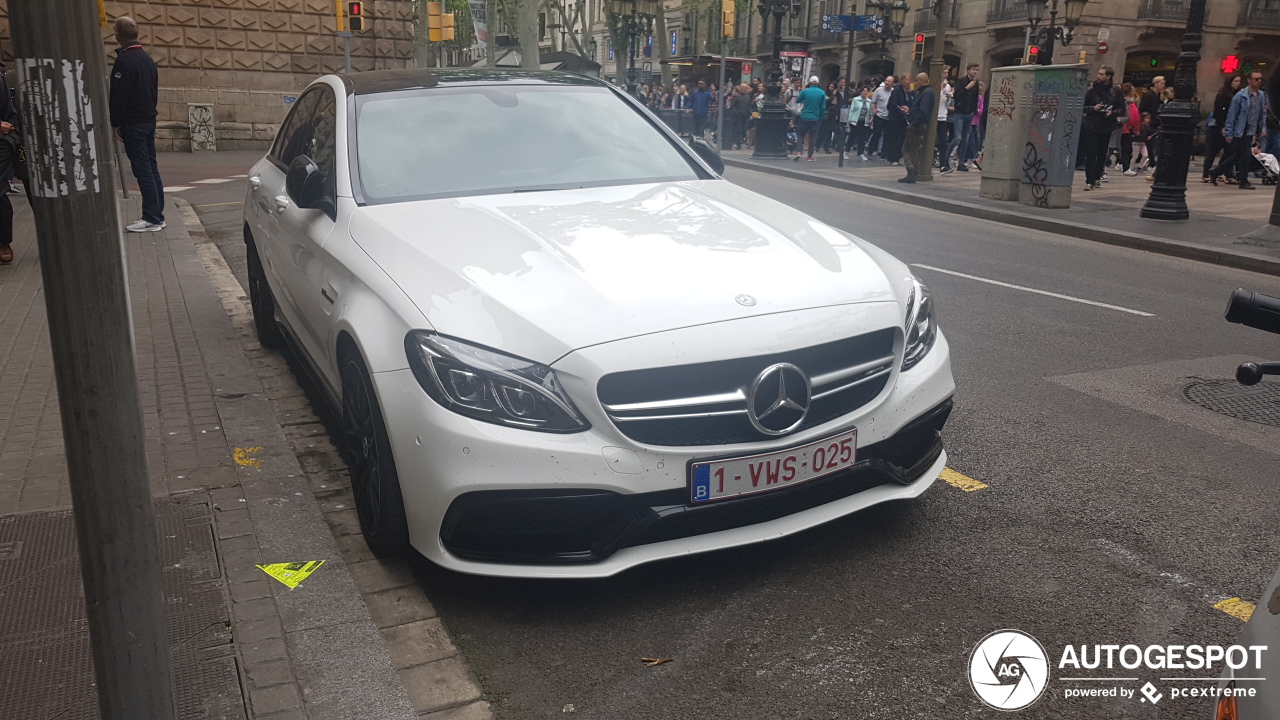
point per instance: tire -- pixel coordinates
(374, 481)
(261, 300)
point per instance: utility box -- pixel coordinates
(1034, 122)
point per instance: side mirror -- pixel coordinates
(707, 152)
(305, 185)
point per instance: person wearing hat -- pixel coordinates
(813, 104)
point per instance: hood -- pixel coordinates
(541, 274)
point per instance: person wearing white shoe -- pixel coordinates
(134, 94)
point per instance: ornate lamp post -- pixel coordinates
(1045, 36)
(771, 127)
(893, 15)
(1178, 118)
(634, 20)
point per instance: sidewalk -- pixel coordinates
(241, 474)
(1219, 215)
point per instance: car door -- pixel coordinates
(303, 231)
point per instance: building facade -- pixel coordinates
(247, 58)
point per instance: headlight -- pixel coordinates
(921, 327)
(490, 386)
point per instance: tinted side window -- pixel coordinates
(295, 126)
(323, 149)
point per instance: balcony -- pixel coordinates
(824, 38)
(1006, 11)
(1172, 10)
(1260, 14)
(926, 21)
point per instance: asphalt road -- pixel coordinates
(1115, 511)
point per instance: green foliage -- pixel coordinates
(464, 34)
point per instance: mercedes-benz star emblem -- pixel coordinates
(745, 300)
(779, 399)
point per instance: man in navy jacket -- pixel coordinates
(134, 92)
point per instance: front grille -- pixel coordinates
(706, 403)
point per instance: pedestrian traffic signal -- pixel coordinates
(1033, 55)
(355, 15)
(726, 18)
(918, 54)
(440, 27)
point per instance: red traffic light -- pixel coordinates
(919, 37)
(355, 9)
(1033, 51)
(1230, 64)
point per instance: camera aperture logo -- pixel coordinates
(1009, 670)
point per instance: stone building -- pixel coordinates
(247, 58)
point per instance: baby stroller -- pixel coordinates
(1267, 166)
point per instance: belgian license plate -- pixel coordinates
(735, 477)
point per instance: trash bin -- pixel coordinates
(1033, 129)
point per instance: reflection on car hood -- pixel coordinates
(541, 274)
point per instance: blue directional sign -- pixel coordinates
(836, 23)
(868, 22)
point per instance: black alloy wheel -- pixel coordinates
(374, 481)
(261, 300)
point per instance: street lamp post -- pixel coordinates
(1178, 119)
(635, 20)
(1045, 36)
(771, 127)
(893, 16)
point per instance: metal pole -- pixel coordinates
(771, 126)
(58, 49)
(346, 47)
(848, 63)
(720, 111)
(938, 76)
(1178, 119)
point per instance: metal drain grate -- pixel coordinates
(1257, 404)
(45, 658)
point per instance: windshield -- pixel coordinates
(449, 142)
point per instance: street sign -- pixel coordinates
(746, 69)
(868, 22)
(646, 69)
(836, 23)
(1104, 34)
(1102, 48)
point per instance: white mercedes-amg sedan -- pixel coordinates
(561, 345)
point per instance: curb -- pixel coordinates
(1175, 248)
(425, 667)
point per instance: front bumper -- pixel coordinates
(445, 460)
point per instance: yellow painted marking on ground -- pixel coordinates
(1237, 608)
(291, 573)
(960, 480)
(244, 456)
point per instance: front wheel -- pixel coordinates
(374, 481)
(261, 300)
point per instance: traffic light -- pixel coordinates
(917, 55)
(1033, 55)
(355, 16)
(439, 23)
(726, 18)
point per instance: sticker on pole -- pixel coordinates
(61, 132)
(291, 574)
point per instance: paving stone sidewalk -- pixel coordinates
(226, 453)
(1219, 215)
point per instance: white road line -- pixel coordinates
(178, 188)
(211, 181)
(1033, 290)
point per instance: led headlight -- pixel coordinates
(921, 325)
(490, 386)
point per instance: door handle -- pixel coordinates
(255, 182)
(282, 202)
(325, 294)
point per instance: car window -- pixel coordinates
(449, 142)
(310, 130)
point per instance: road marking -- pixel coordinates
(1236, 608)
(237, 202)
(1038, 292)
(211, 181)
(178, 188)
(960, 480)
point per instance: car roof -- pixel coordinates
(377, 81)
